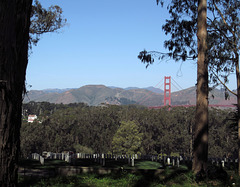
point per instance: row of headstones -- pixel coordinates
(38, 157)
(62, 156)
(111, 156)
(223, 162)
(166, 160)
(120, 157)
(59, 156)
(97, 158)
(107, 156)
(56, 156)
(101, 158)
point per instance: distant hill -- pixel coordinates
(95, 95)
(150, 88)
(188, 97)
(56, 90)
(155, 90)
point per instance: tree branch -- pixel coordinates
(161, 53)
(219, 30)
(224, 20)
(224, 84)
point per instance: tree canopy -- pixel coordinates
(89, 129)
(45, 21)
(127, 139)
(223, 29)
(222, 54)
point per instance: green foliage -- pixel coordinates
(223, 36)
(127, 139)
(222, 139)
(83, 149)
(77, 127)
(182, 27)
(223, 39)
(44, 21)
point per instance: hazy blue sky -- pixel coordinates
(100, 45)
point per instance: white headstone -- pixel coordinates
(173, 161)
(67, 158)
(223, 163)
(41, 160)
(168, 161)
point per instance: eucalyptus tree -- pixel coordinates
(188, 21)
(223, 37)
(15, 18)
(224, 44)
(223, 40)
(14, 35)
(200, 144)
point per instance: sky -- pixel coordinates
(100, 45)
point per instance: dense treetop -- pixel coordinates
(79, 127)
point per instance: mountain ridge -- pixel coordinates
(95, 95)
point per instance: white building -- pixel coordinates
(31, 118)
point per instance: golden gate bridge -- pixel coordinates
(168, 82)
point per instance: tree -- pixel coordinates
(223, 40)
(224, 46)
(223, 37)
(14, 39)
(183, 47)
(200, 145)
(127, 139)
(14, 35)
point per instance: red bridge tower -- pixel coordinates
(167, 90)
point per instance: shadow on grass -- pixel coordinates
(56, 181)
(121, 178)
(34, 164)
(150, 177)
(27, 181)
(86, 163)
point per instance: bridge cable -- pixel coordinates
(144, 98)
(177, 84)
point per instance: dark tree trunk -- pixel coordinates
(238, 106)
(200, 147)
(14, 34)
